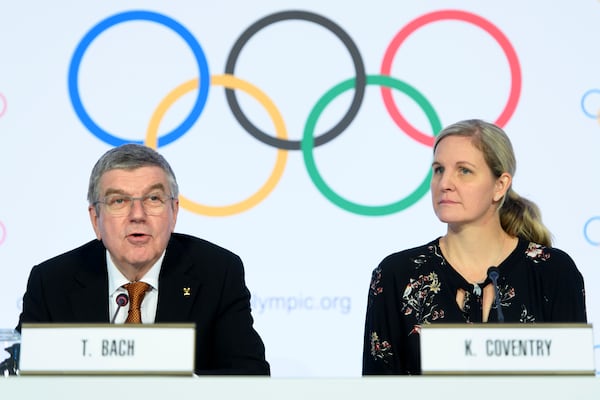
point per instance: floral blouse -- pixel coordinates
(418, 286)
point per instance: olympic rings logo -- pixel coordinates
(586, 231)
(310, 138)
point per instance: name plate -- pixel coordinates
(503, 349)
(122, 349)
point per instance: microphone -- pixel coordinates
(122, 301)
(493, 273)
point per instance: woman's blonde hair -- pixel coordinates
(518, 215)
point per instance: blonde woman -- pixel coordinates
(450, 279)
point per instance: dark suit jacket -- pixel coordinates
(73, 288)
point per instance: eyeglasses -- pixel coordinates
(120, 204)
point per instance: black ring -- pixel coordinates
(361, 79)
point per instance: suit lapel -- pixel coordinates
(89, 296)
(178, 288)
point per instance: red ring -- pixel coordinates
(412, 26)
(3, 231)
(3, 104)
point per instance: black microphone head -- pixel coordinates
(493, 273)
(122, 300)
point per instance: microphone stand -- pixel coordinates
(494, 274)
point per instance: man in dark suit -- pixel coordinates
(133, 206)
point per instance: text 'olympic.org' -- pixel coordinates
(341, 304)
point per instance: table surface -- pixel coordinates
(421, 387)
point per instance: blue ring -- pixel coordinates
(203, 76)
(586, 94)
(585, 228)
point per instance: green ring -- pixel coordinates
(307, 146)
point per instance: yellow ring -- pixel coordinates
(231, 82)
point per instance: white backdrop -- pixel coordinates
(308, 256)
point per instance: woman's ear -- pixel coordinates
(503, 183)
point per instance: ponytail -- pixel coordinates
(521, 217)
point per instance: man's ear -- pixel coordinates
(94, 220)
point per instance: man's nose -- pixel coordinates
(137, 207)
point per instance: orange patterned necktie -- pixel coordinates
(136, 291)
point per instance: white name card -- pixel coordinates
(123, 349)
(525, 349)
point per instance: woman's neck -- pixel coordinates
(472, 252)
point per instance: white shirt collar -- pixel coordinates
(116, 279)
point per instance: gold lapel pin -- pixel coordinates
(187, 291)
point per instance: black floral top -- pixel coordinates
(418, 286)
